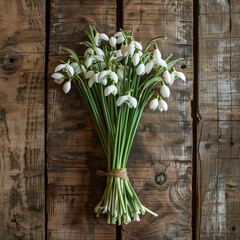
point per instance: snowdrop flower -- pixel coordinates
(138, 45)
(58, 77)
(99, 58)
(164, 90)
(120, 37)
(162, 105)
(140, 69)
(89, 61)
(118, 53)
(158, 58)
(140, 53)
(113, 42)
(136, 59)
(124, 50)
(99, 52)
(154, 104)
(89, 51)
(120, 74)
(167, 77)
(131, 48)
(67, 87)
(104, 74)
(110, 90)
(89, 74)
(149, 66)
(78, 69)
(65, 67)
(178, 75)
(103, 65)
(99, 37)
(113, 76)
(93, 78)
(129, 100)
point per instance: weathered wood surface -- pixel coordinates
(73, 149)
(219, 116)
(22, 193)
(160, 165)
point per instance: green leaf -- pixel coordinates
(73, 54)
(86, 43)
(153, 41)
(153, 81)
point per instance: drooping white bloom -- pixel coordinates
(149, 66)
(118, 53)
(99, 58)
(113, 42)
(113, 76)
(75, 67)
(131, 101)
(102, 76)
(118, 34)
(181, 76)
(164, 90)
(136, 59)
(131, 48)
(93, 78)
(138, 45)
(89, 74)
(162, 63)
(157, 55)
(67, 87)
(65, 67)
(89, 61)
(89, 51)
(124, 50)
(110, 90)
(99, 37)
(140, 69)
(154, 104)
(167, 77)
(162, 105)
(120, 39)
(99, 52)
(58, 77)
(120, 74)
(90, 82)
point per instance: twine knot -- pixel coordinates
(120, 173)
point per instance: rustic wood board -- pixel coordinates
(73, 149)
(219, 118)
(22, 121)
(162, 150)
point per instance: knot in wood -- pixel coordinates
(10, 62)
(160, 179)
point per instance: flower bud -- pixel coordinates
(162, 105)
(113, 42)
(154, 104)
(136, 59)
(164, 90)
(140, 69)
(167, 77)
(149, 66)
(67, 87)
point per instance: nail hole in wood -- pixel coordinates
(183, 66)
(231, 143)
(233, 228)
(208, 146)
(11, 60)
(160, 179)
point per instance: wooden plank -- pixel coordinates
(160, 162)
(74, 150)
(218, 130)
(22, 44)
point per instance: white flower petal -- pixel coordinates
(90, 82)
(95, 77)
(83, 69)
(99, 52)
(140, 69)
(118, 34)
(149, 66)
(167, 77)
(89, 62)
(164, 90)
(131, 48)
(114, 76)
(124, 50)
(89, 74)
(104, 82)
(120, 39)
(157, 55)
(138, 45)
(102, 75)
(113, 42)
(59, 81)
(74, 64)
(154, 104)
(181, 75)
(121, 100)
(67, 87)
(110, 90)
(132, 102)
(118, 53)
(59, 67)
(70, 70)
(104, 36)
(162, 105)
(120, 74)
(97, 39)
(136, 59)
(161, 63)
(57, 75)
(99, 58)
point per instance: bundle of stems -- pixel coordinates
(116, 85)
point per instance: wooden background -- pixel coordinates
(184, 164)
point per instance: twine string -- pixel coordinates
(120, 173)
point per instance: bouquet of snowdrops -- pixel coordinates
(116, 82)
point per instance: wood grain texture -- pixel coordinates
(160, 165)
(218, 130)
(22, 69)
(73, 148)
